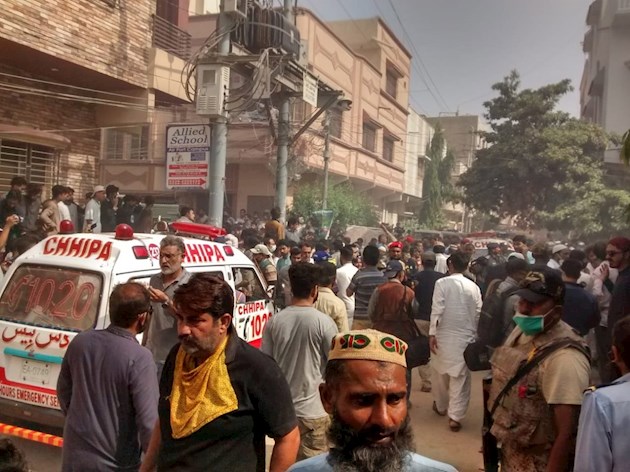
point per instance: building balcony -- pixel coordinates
(622, 13)
(170, 38)
(597, 84)
(594, 13)
(587, 44)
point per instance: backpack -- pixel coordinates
(489, 331)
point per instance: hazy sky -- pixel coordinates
(467, 45)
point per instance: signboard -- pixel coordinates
(309, 90)
(187, 156)
(325, 218)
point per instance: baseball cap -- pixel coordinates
(261, 249)
(558, 248)
(518, 255)
(98, 188)
(540, 285)
(392, 268)
(321, 256)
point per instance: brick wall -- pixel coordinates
(111, 40)
(77, 164)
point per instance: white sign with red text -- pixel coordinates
(187, 156)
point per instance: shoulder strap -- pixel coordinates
(536, 359)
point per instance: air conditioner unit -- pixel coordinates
(213, 82)
(236, 8)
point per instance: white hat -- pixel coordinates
(518, 255)
(99, 188)
(558, 248)
(261, 249)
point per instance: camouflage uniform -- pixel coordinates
(523, 422)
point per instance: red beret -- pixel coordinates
(397, 244)
(623, 244)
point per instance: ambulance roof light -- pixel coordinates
(66, 227)
(123, 232)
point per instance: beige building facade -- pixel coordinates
(367, 142)
(605, 85)
(462, 133)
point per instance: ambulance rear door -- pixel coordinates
(42, 308)
(253, 305)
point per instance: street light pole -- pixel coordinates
(326, 157)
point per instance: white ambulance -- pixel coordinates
(61, 287)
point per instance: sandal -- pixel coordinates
(435, 408)
(454, 425)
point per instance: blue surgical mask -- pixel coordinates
(531, 325)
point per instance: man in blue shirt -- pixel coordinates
(602, 442)
(108, 389)
(365, 391)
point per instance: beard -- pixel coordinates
(354, 451)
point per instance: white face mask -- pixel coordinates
(272, 248)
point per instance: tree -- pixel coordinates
(625, 148)
(349, 207)
(436, 187)
(542, 167)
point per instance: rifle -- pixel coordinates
(490, 449)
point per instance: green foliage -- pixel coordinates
(542, 166)
(350, 207)
(436, 188)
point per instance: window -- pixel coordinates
(247, 282)
(36, 163)
(336, 122)
(51, 296)
(301, 111)
(391, 83)
(126, 143)
(388, 149)
(369, 137)
(420, 174)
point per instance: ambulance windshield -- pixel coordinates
(52, 297)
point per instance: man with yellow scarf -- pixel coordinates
(219, 396)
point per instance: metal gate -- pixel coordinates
(37, 164)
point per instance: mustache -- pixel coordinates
(355, 451)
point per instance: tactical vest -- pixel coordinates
(523, 417)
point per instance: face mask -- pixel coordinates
(272, 248)
(531, 325)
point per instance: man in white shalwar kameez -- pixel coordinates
(454, 317)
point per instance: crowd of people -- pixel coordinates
(331, 382)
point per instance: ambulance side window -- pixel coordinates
(246, 282)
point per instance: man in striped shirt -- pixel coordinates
(363, 285)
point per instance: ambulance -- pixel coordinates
(61, 287)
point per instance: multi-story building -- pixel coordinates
(463, 138)
(366, 62)
(419, 136)
(83, 84)
(605, 86)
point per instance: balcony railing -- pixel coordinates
(622, 14)
(170, 38)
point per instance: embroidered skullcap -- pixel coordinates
(369, 345)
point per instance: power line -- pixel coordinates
(419, 57)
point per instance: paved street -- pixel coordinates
(433, 437)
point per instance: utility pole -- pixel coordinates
(283, 137)
(218, 149)
(326, 157)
